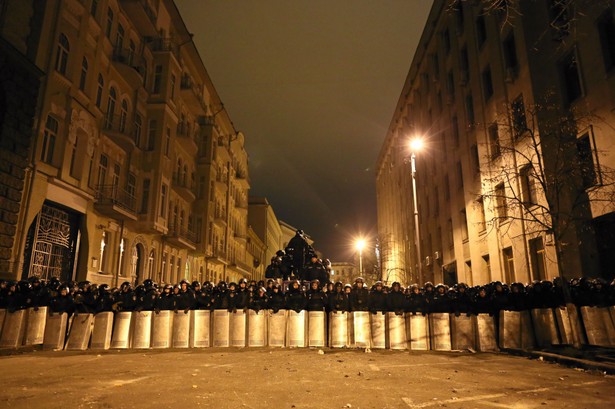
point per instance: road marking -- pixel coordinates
(411, 404)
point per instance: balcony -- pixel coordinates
(165, 45)
(242, 178)
(181, 237)
(241, 205)
(114, 202)
(142, 15)
(218, 256)
(222, 183)
(186, 135)
(220, 220)
(118, 129)
(192, 94)
(183, 188)
(129, 64)
(240, 236)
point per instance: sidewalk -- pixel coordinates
(588, 357)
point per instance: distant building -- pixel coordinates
(262, 218)
(138, 171)
(483, 83)
(257, 255)
(344, 272)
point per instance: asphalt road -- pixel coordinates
(294, 378)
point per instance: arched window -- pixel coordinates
(123, 116)
(179, 170)
(110, 108)
(84, 74)
(185, 175)
(99, 90)
(62, 54)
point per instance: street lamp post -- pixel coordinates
(360, 245)
(416, 145)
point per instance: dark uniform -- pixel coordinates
(337, 299)
(295, 297)
(395, 300)
(359, 296)
(316, 298)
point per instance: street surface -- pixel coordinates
(294, 378)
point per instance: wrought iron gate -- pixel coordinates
(51, 245)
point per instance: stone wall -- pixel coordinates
(19, 85)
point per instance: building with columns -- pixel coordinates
(514, 105)
(137, 170)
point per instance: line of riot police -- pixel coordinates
(296, 295)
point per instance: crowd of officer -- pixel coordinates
(298, 295)
(301, 288)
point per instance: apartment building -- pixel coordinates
(514, 105)
(136, 168)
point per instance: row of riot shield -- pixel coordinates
(221, 328)
(557, 326)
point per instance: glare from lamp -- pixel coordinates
(360, 244)
(416, 144)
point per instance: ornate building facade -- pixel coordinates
(137, 169)
(514, 104)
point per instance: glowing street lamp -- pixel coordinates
(360, 245)
(416, 145)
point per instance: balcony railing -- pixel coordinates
(130, 58)
(114, 195)
(182, 232)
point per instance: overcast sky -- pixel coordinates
(313, 85)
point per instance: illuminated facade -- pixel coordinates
(483, 85)
(137, 170)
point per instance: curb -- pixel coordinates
(564, 360)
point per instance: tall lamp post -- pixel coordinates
(416, 145)
(360, 245)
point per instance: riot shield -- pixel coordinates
(485, 332)
(462, 332)
(141, 329)
(338, 329)
(361, 336)
(80, 332)
(396, 329)
(440, 327)
(510, 329)
(221, 328)
(199, 329)
(162, 329)
(13, 329)
(181, 329)
(55, 331)
(103, 328)
(418, 328)
(317, 329)
(257, 328)
(238, 329)
(35, 326)
(595, 328)
(378, 329)
(121, 330)
(545, 329)
(2, 315)
(276, 329)
(296, 329)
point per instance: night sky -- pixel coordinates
(313, 85)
